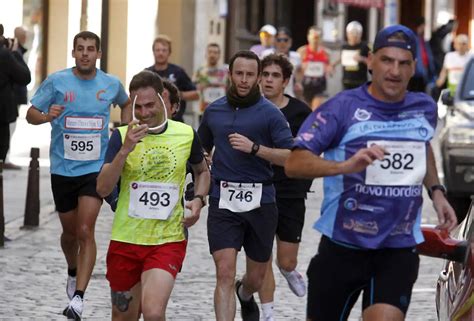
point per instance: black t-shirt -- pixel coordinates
(357, 75)
(295, 113)
(177, 76)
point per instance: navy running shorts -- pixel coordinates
(338, 274)
(254, 230)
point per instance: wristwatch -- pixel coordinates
(436, 187)
(255, 148)
(202, 198)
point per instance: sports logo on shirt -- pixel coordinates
(69, 96)
(307, 136)
(98, 94)
(362, 114)
(321, 118)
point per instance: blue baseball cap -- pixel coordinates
(382, 39)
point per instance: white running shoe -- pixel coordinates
(70, 286)
(295, 282)
(74, 309)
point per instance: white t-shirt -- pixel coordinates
(454, 64)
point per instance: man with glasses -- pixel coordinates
(267, 38)
(148, 244)
(283, 43)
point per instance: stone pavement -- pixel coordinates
(33, 270)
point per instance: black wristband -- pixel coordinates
(434, 188)
(255, 148)
(202, 198)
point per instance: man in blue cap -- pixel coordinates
(377, 156)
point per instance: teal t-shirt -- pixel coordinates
(79, 136)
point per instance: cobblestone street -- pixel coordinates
(33, 269)
(33, 272)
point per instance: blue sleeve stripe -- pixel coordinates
(411, 129)
(333, 187)
(417, 234)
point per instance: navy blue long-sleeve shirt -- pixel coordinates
(262, 123)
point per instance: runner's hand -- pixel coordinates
(135, 133)
(446, 215)
(194, 206)
(208, 158)
(240, 142)
(363, 158)
(54, 112)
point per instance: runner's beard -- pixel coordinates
(85, 71)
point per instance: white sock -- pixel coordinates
(286, 273)
(267, 309)
(244, 296)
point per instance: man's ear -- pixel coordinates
(370, 61)
(165, 94)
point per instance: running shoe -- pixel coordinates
(249, 309)
(70, 286)
(295, 282)
(74, 309)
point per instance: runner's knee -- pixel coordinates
(225, 273)
(85, 232)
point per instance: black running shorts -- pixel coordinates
(337, 275)
(254, 230)
(290, 219)
(66, 190)
(313, 87)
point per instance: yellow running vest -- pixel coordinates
(158, 160)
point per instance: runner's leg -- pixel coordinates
(154, 302)
(88, 210)
(224, 297)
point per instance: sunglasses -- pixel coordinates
(282, 39)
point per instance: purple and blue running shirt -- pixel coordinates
(379, 207)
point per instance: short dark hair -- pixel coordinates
(279, 60)
(285, 30)
(246, 54)
(214, 44)
(87, 35)
(173, 90)
(145, 79)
